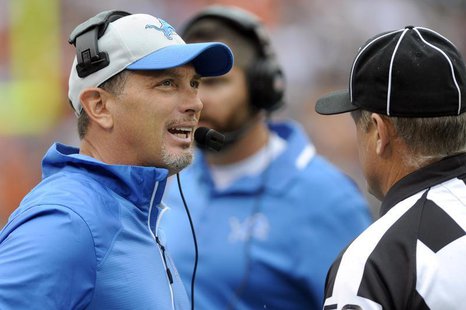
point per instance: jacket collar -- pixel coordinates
(135, 183)
(428, 176)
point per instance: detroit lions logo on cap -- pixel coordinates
(163, 26)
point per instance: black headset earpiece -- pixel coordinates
(85, 37)
(266, 81)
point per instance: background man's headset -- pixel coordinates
(265, 78)
(90, 59)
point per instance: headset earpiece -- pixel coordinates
(266, 85)
(266, 81)
(85, 37)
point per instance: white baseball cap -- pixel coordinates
(145, 42)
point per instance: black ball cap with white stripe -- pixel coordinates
(411, 72)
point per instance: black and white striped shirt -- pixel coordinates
(414, 255)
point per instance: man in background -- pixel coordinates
(270, 214)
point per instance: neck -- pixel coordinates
(102, 150)
(88, 148)
(246, 146)
(397, 167)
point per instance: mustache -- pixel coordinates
(192, 120)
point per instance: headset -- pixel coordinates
(266, 81)
(85, 38)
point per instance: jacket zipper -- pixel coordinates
(160, 246)
(169, 274)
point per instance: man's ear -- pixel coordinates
(383, 134)
(95, 102)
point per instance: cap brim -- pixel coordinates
(209, 59)
(335, 103)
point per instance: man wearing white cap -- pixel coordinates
(86, 236)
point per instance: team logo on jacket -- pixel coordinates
(256, 226)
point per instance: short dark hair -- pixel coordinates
(244, 47)
(113, 85)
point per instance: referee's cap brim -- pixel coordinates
(335, 103)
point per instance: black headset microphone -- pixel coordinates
(207, 138)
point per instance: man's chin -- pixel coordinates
(175, 162)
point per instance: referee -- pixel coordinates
(407, 97)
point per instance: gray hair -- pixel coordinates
(427, 139)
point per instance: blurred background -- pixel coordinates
(315, 40)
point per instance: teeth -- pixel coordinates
(183, 129)
(181, 135)
(181, 132)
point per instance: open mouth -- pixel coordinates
(181, 132)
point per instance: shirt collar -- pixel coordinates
(428, 176)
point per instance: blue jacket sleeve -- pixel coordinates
(47, 260)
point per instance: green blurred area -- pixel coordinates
(30, 100)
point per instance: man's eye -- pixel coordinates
(167, 83)
(195, 84)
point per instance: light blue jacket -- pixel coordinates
(84, 239)
(301, 212)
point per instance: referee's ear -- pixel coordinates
(384, 134)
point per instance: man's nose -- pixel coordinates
(193, 103)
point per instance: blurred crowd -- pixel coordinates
(315, 40)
